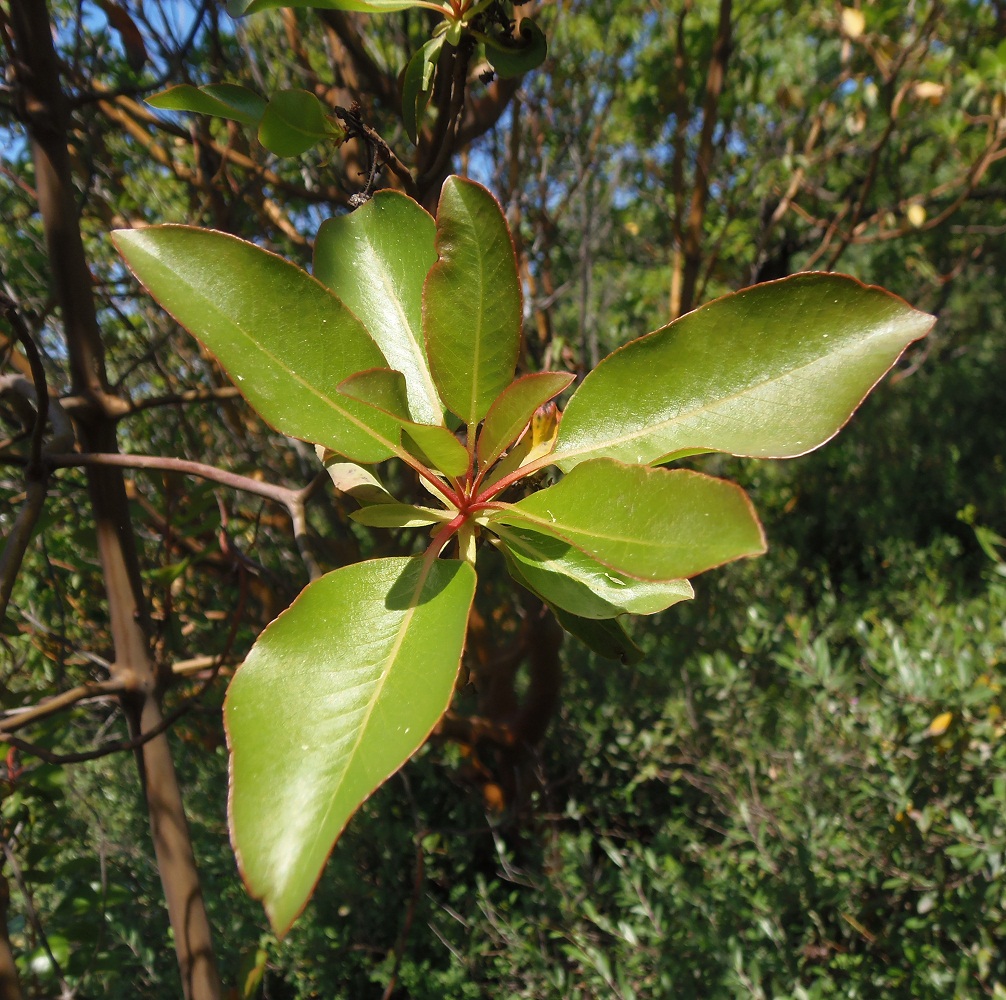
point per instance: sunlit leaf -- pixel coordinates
(472, 301)
(653, 524)
(283, 338)
(568, 578)
(771, 372)
(334, 697)
(376, 259)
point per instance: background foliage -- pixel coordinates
(774, 802)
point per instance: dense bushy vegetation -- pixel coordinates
(801, 789)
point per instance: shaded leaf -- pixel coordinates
(417, 85)
(515, 56)
(770, 372)
(472, 301)
(606, 637)
(294, 121)
(224, 100)
(353, 480)
(334, 697)
(382, 388)
(654, 524)
(376, 259)
(397, 515)
(283, 338)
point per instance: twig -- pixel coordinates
(18, 718)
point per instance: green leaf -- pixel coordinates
(513, 409)
(294, 121)
(606, 637)
(417, 85)
(433, 444)
(238, 8)
(283, 338)
(770, 372)
(381, 388)
(334, 697)
(472, 301)
(398, 515)
(568, 578)
(514, 57)
(224, 100)
(654, 524)
(376, 260)
(438, 447)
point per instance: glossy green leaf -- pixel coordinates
(438, 446)
(568, 578)
(376, 259)
(472, 301)
(770, 372)
(512, 411)
(653, 524)
(334, 697)
(514, 57)
(238, 8)
(224, 100)
(397, 515)
(382, 388)
(417, 85)
(283, 338)
(606, 637)
(294, 121)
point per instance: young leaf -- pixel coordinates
(770, 372)
(376, 259)
(382, 388)
(568, 578)
(438, 446)
(294, 121)
(472, 301)
(283, 338)
(513, 57)
(224, 100)
(653, 524)
(513, 409)
(433, 444)
(334, 697)
(417, 85)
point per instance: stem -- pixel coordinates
(525, 470)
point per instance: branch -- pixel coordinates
(278, 494)
(715, 77)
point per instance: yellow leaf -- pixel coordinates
(940, 724)
(853, 22)
(916, 216)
